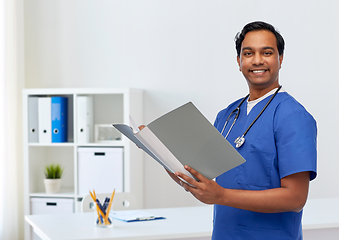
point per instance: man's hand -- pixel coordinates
(174, 177)
(291, 196)
(206, 191)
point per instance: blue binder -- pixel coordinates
(59, 118)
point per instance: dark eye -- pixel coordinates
(267, 53)
(247, 53)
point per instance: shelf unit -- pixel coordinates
(109, 106)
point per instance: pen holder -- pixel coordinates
(101, 212)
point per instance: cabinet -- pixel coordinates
(108, 106)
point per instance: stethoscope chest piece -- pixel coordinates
(239, 141)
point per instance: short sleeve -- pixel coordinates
(296, 142)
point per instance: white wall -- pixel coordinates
(179, 51)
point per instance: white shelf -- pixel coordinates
(64, 193)
(111, 144)
(68, 144)
(110, 106)
(107, 144)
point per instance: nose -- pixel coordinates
(257, 59)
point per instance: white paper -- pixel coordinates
(160, 150)
(133, 125)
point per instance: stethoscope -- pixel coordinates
(239, 141)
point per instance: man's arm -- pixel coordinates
(291, 196)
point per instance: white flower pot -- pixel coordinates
(52, 185)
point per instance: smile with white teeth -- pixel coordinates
(258, 71)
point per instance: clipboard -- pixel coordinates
(185, 137)
(135, 216)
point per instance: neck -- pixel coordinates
(258, 93)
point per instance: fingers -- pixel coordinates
(203, 189)
(195, 173)
(174, 177)
(183, 185)
(187, 182)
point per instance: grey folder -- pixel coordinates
(33, 124)
(192, 139)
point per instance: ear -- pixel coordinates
(238, 60)
(281, 57)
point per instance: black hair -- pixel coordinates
(255, 26)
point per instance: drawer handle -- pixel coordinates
(51, 203)
(99, 154)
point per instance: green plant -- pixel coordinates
(53, 171)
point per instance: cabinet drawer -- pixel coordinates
(100, 169)
(51, 205)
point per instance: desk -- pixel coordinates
(321, 214)
(180, 223)
(320, 221)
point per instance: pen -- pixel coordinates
(103, 209)
(110, 204)
(96, 206)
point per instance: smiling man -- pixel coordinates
(260, 62)
(264, 197)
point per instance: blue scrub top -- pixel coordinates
(280, 143)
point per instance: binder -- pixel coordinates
(59, 110)
(45, 123)
(185, 137)
(84, 119)
(33, 124)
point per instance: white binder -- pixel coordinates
(33, 124)
(45, 121)
(85, 119)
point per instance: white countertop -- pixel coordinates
(321, 213)
(81, 225)
(186, 222)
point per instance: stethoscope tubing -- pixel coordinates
(237, 113)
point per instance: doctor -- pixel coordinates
(264, 197)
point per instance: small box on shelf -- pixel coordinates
(106, 133)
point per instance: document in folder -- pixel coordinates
(185, 137)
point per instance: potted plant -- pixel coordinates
(53, 174)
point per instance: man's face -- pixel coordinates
(259, 60)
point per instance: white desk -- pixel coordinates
(320, 221)
(321, 214)
(180, 223)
